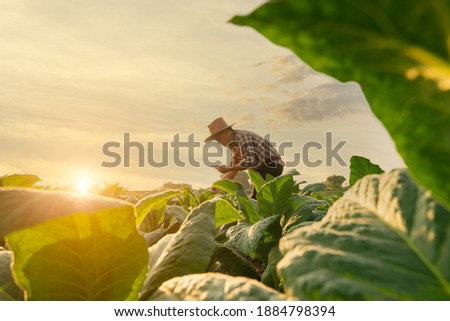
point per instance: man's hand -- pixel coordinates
(223, 169)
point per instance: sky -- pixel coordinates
(76, 75)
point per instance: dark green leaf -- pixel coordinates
(175, 213)
(385, 239)
(360, 167)
(154, 236)
(311, 188)
(186, 252)
(304, 208)
(246, 237)
(232, 262)
(270, 276)
(215, 287)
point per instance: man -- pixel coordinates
(249, 151)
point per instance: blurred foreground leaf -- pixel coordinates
(76, 248)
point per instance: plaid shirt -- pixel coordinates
(252, 151)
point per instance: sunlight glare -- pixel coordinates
(83, 185)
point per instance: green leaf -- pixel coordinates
(21, 208)
(360, 167)
(275, 196)
(156, 251)
(189, 198)
(304, 208)
(228, 186)
(385, 239)
(19, 180)
(154, 236)
(398, 51)
(176, 213)
(232, 262)
(257, 180)
(247, 205)
(186, 252)
(246, 237)
(215, 287)
(205, 195)
(270, 276)
(226, 213)
(83, 256)
(153, 203)
(330, 196)
(312, 188)
(9, 291)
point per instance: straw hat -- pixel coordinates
(216, 127)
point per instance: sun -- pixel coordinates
(83, 185)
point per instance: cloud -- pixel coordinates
(259, 64)
(321, 103)
(288, 69)
(247, 119)
(304, 95)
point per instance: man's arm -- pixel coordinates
(234, 168)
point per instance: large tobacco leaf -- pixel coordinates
(22, 208)
(69, 246)
(92, 254)
(246, 237)
(186, 252)
(385, 239)
(214, 287)
(275, 196)
(398, 51)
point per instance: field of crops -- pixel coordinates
(382, 238)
